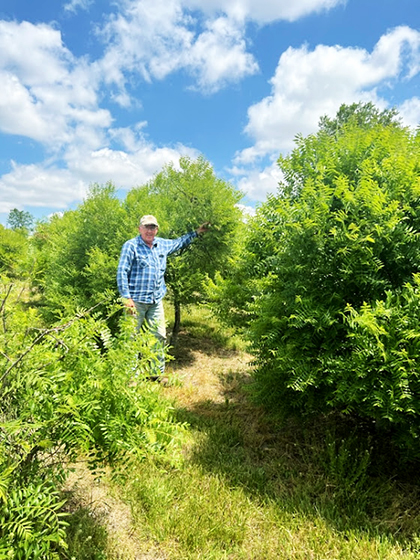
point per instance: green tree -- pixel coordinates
(19, 219)
(78, 252)
(182, 199)
(334, 260)
(14, 252)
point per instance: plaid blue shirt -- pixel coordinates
(141, 269)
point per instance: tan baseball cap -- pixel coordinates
(148, 220)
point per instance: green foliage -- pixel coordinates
(332, 261)
(382, 373)
(65, 393)
(14, 253)
(31, 523)
(77, 253)
(231, 294)
(363, 115)
(74, 378)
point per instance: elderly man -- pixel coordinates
(141, 281)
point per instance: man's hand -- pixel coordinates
(130, 306)
(203, 228)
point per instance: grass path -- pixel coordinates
(196, 376)
(245, 489)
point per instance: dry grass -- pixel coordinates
(200, 370)
(98, 498)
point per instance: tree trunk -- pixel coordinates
(177, 322)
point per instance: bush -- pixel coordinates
(65, 393)
(334, 260)
(77, 254)
(14, 252)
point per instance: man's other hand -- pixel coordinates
(130, 306)
(203, 228)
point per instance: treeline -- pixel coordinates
(323, 282)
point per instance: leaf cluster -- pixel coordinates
(15, 253)
(77, 253)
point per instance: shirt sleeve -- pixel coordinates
(182, 242)
(124, 267)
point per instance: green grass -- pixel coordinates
(87, 537)
(200, 323)
(251, 489)
(246, 487)
(228, 508)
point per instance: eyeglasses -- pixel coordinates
(150, 227)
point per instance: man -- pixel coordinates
(140, 277)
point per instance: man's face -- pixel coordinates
(148, 233)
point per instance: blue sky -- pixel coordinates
(95, 91)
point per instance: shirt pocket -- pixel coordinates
(141, 262)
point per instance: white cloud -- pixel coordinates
(50, 96)
(410, 112)
(46, 185)
(146, 37)
(53, 97)
(219, 55)
(264, 11)
(39, 186)
(154, 38)
(46, 93)
(124, 168)
(256, 183)
(18, 112)
(397, 54)
(310, 83)
(247, 211)
(34, 52)
(74, 5)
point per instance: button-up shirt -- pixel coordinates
(141, 269)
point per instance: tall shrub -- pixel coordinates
(336, 256)
(77, 253)
(15, 253)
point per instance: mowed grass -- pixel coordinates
(245, 487)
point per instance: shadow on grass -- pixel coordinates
(187, 343)
(86, 534)
(330, 466)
